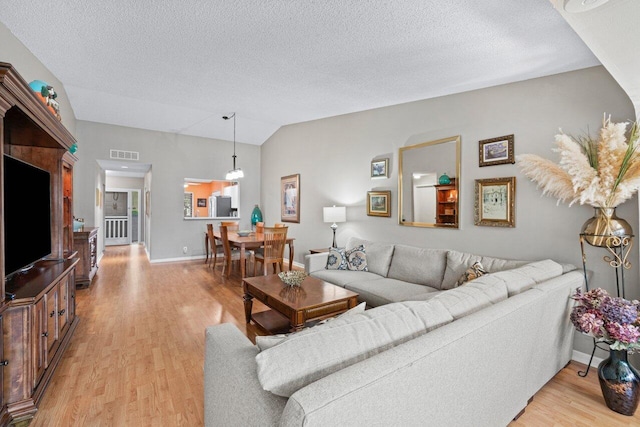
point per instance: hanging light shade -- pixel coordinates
(235, 173)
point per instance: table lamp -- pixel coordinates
(334, 214)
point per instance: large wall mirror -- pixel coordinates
(207, 198)
(428, 183)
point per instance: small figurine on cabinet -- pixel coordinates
(47, 95)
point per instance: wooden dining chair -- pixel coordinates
(215, 246)
(272, 252)
(279, 225)
(229, 254)
(259, 227)
(231, 225)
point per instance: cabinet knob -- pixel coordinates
(61, 312)
(45, 334)
(4, 363)
(53, 313)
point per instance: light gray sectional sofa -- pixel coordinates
(427, 354)
(402, 273)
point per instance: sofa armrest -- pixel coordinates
(231, 380)
(315, 262)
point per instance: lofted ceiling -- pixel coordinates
(179, 65)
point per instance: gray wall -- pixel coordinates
(333, 158)
(173, 157)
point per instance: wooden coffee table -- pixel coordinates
(292, 307)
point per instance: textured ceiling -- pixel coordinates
(178, 66)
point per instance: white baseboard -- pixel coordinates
(581, 357)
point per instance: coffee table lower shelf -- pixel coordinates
(271, 321)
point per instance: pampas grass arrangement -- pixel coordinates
(602, 172)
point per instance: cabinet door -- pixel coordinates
(71, 297)
(3, 363)
(51, 304)
(39, 341)
(62, 310)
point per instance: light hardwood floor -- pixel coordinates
(137, 356)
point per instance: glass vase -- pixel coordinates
(605, 224)
(256, 216)
(620, 383)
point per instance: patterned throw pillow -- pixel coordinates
(337, 259)
(473, 272)
(357, 259)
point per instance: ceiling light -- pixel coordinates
(235, 173)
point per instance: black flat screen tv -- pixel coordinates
(27, 215)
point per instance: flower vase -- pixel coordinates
(605, 224)
(256, 216)
(620, 383)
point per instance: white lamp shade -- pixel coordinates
(334, 214)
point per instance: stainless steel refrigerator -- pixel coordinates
(220, 206)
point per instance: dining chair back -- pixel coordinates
(272, 252)
(215, 246)
(231, 225)
(279, 225)
(259, 227)
(231, 255)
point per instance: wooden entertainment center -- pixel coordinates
(37, 307)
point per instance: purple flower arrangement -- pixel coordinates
(613, 320)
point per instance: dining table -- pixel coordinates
(244, 243)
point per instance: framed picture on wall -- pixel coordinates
(380, 168)
(496, 151)
(290, 198)
(202, 203)
(495, 202)
(379, 203)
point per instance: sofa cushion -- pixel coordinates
(378, 254)
(356, 259)
(523, 278)
(418, 265)
(458, 262)
(491, 285)
(304, 358)
(342, 277)
(337, 259)
(385, 291)
(463, 300)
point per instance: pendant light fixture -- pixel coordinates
(235, 173)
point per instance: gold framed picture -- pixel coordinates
(290, 198)
(496, 151)
(379, 203)
(495, 202)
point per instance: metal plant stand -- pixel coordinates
(618, 248)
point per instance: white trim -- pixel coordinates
(581, 357)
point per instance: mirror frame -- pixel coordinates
(401, 151)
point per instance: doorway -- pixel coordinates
(121, 216)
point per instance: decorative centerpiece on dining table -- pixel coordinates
(602, 172)
(613, 321)
(292, 277)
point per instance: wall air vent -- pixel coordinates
(124, 155)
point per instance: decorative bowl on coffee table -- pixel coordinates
(293, 277)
